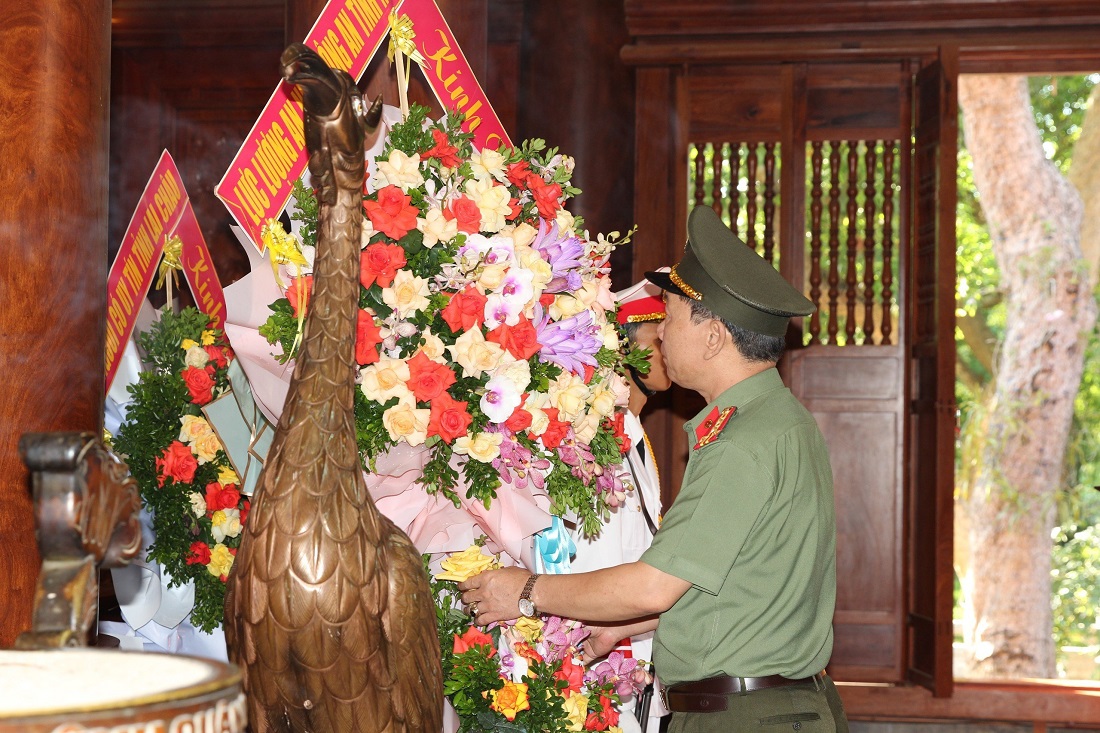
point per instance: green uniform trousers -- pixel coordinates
(802, 708)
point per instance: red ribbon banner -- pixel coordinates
(450, 76)
(163, 211)
(258, 183)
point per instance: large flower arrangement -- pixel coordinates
(483, 330)
(186, 480)
(527, 676)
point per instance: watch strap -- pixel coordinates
(528, 588)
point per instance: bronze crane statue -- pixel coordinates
(328, 610)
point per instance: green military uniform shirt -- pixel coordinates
(753, 530)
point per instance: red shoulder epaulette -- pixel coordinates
(711, 427)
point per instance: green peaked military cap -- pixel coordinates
(731, 279)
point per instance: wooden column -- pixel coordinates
(54, 86)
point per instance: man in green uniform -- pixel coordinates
(740, 581)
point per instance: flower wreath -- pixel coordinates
(486, 328)
(186, 480)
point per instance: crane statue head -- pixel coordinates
(331, 98)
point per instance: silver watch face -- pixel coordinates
(526, 606)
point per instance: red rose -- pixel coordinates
(473, 637)
(520, 419)
(245, 509)
(589, 372)
(517, 173)
(520, 340)
(443, 150)
(516, 209)
(177, 463)
(572, 674)
(367, 338)
(392, 214)
(379, 263)
(200, 554)
(300, 289)
(199, 384)
(556, 431)
(546, 196)
(603, 718)
(465, 211)
(218, 355)
(427, 379)
(466, 310)
(547, 299)
(449, 418)
(618, 431)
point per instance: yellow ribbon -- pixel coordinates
(285, 249)
(171, 263)
(402, 49)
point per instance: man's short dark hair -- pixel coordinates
(752, 345)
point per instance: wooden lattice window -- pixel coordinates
(852, 225)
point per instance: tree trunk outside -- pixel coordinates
(1034, 217)
(1084, 174)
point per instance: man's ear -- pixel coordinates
(716, 333)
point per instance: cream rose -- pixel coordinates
(474, 354)
(385, 379)
(437, 228)
(192, 428)
(487, 164)
(569, 394)
(602, 401)
(196, 356)
(492, 276)
(407, 295)
(516, 371)
(492, 201)
(540, 421)
(585, 427)
(565, 220)
(433, 347)
(206, 447)
(610, 336)
(483, 447)
(405, 422)
(564, 306)
(524, 234)
(533, 261)
(400, 170)
(198, 504)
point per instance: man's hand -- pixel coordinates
(600, 642)
(494, 594)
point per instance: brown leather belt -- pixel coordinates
(709, 695)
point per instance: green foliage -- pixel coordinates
(281, 328)
(1059, 104)
(307, 213)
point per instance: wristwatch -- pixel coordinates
(526, 605)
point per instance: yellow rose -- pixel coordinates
(226, 476)
(207, 338)
(407, 295)
(510, 699)
(433, 347)
(569, 394)
(399, 170)
(405, 422)
(206, 447)
(437, 228)
(529, 628)
(576, 710)
(474, 354)
(193, 428)
(460, 566)
(384, 379)
(196, 357)
(221, 560)
(188, 343)
(484, 447)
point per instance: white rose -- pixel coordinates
(198, 504)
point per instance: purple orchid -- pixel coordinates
(571, 343)
(619, 671)
(565, 254)
(561, 637)
(518, 466)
